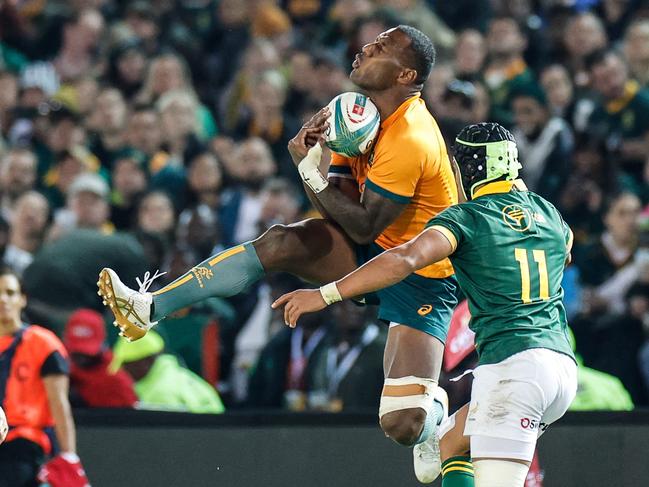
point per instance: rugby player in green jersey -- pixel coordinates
(509, 247)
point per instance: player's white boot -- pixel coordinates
(426, 455)
(132, 309)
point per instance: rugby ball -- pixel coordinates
(353, 124)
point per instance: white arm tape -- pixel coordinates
(330, 293)
(309, 169)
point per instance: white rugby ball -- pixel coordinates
(353, 124)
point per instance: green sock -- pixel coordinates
(221, 275)
(457, 472)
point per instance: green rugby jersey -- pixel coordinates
(510, 251)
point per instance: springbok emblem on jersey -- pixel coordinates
(516, 217)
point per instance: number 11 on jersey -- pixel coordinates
(523, 262)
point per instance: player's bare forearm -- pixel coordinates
(314, 201)
(364, 220)
(384, 270)
(351, 215)
(394, 265)
(56, 387)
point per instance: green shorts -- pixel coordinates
(419, 302)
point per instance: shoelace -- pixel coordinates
(145, 284)
(428, 452)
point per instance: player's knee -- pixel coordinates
(404, 426)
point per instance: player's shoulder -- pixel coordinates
(411, 139)
(42, 337)
(542, 202)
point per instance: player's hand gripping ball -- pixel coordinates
(4, 426)
(353, 124)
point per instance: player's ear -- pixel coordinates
(407, 76)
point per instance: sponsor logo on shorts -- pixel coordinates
(533, 424)
(200, 273)
(425, 309)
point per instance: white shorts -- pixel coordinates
(514, 401)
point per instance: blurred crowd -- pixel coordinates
(145, 135)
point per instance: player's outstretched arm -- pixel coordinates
(382, 271)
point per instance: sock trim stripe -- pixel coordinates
(174, 285)
(457, 469)
(462, 463)
(226, 254)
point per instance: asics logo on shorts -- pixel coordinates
(425, 309)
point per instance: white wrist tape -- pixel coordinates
(330, 293)
(309, 169)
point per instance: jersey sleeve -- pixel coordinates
(48, 352)
(55, 364)
(340, 167)
(454, 224)
(396, 170)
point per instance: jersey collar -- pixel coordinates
(500, 187)
(399, 111)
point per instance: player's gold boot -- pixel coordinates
(426, 455)
(132, 309)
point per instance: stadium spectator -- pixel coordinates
(127, 67)
(506, 67)
(278, 379)
(129, 182)
(86, 207)
(178, 112)
(241, 205)
(347, 372)
(280, 204)
(544, 142)
(463, 102)
(161, 382)
(470, 55)
(144, 133)
(28, 226)
(81, 35)
(583, 35)
(636, 50)
(54, 141)
(17, 175)
(35, 399)
(204, 181)
(581, 202)
(264, 117)
(107, 122)
(607, 266)
(156, 215)
(166, 73)
(562, 100)
(91, 383)
(622, 116)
